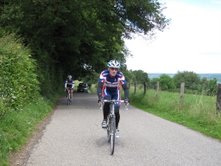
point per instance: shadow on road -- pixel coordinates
(79, 100)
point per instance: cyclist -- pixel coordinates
(69, 85)
(109, 84)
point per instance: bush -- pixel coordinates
(18, 79)
(166, 82)
(191, 79)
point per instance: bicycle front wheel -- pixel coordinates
(112, 134)
(108, 129)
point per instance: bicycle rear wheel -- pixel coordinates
(69, 99)
(112, 134)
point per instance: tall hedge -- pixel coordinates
(18, 79)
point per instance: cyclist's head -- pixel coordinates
(69, 77)
(113, 64)
(113, 67)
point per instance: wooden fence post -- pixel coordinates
(218, 99)
(182, 88)
(157, 89)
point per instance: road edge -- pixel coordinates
(20, 157)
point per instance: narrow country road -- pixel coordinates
(74, 137)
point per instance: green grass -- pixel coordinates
(16, 127)
(197, 112)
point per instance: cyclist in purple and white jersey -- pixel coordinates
(69, 85)
(109, 85)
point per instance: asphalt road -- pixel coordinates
(74, 137)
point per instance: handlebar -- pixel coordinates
(112, 101)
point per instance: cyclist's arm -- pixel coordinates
(126, 90)
(72, 85)
(65, 85)
(101, 81)
(124, 85)
(99, 88)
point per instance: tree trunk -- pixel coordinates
(145, 88)
(135, 87)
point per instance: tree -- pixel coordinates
(153, 82)
(166, 82)
(140, 77)
(76, 36)
(140, 16)
(191, 79)
(209, 87)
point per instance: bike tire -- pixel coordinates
(108, 129)
(69, 99)
(112, 134)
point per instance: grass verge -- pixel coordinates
(17, 126)
(197, 112)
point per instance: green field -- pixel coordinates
(197, 112)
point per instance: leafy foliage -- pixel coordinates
(193, 83)
(191, 79)
(140, 15)
(137, 77)
(18, 79)
(166, 82)
(80, 36)
(16, 127)
(208, 87)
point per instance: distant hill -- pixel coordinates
(208, 76)
(211, 76)
(157, 75)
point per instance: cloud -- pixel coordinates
(189, 43)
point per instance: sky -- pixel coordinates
(191, 42)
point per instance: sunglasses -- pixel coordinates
(116, 69)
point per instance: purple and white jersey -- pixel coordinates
(111, 85)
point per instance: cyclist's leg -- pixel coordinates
(66, 91)
(117, 108)
(117, 114)
(71, 91)
(106, 108)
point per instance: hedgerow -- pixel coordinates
(18, 79)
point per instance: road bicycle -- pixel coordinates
(111, 122)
